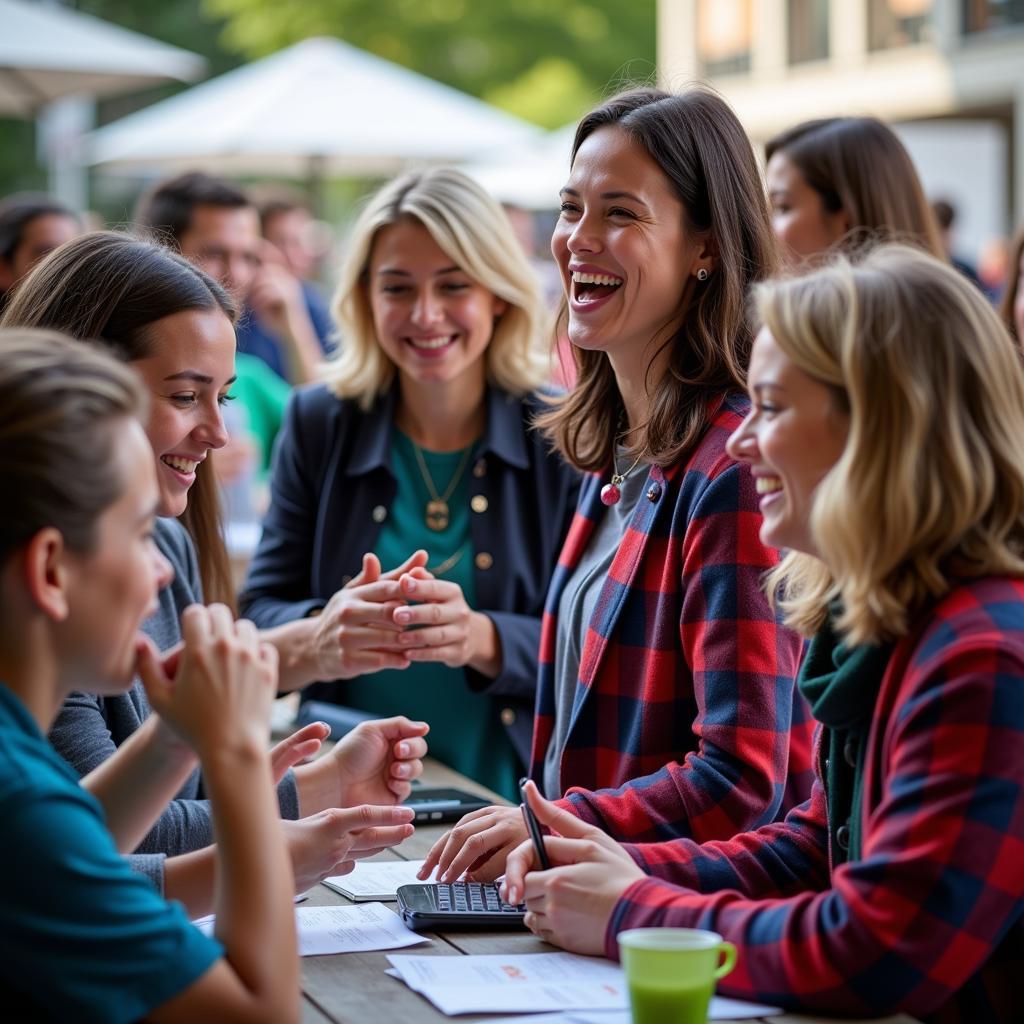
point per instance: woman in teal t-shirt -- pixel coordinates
(420, 442)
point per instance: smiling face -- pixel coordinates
(802, 225)
(432, 320)
(188, 374)
(627, 260)
(793, 435)
(112, 588)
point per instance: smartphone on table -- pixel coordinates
(441, 906)
(440, 804)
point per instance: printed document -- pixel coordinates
(323, 930)
(375, 879)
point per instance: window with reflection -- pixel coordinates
(724, 33)
(894, 23)
(987, 15)
(807, 30)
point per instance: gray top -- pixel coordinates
(89, 729)
(576, 609)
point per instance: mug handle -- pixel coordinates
(728, 951)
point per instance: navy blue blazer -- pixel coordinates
(332, 487)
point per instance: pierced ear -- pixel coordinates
(708, 254)
(46, 573)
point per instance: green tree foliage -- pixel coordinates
(545, 60)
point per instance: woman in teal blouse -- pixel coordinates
(417, 452)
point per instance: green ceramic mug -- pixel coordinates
(672, 972)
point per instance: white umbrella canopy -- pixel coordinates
(527, 176)
(49, 52)
(319, 107)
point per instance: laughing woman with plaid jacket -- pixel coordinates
(666, 691)
(886, 436)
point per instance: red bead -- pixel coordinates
(610, 494)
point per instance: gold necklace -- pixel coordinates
(436, 515)
(449, 563)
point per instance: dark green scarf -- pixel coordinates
(842, 683)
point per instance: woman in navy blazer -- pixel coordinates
(422, 376)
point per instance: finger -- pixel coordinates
(222, 622)
(478, 847)
(363, 816)
(519, 862)
(371, 568)
(431, 636)
(453, 655)
(406, 770)
(562, 822)
(378, 591)
(399, 728)
(246, 631)
(436, 613)
(171, 659)
(195, 625)
(375, 660)
(433, 856)
(417, 560)
(428, 590)
(151, 671)
(381, 836)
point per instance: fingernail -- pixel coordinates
(410, 584)
(402, 615)
(403, 749)
(511, 898)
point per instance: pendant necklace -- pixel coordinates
(610, 493)
(437, 514)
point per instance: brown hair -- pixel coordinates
(60, 405)
(110, 288)
(165, 211)
(703, 151)
(858, 165)
(1013, 276)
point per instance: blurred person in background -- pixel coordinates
(845, 180)
(213, 223)
(31, 225)
(945, 217)
(1012, 305)
(420, 445)
(172, 324)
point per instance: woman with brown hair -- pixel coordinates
(666, 686)
(173, 325)
(845, 178)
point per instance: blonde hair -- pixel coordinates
(472, 229)
(930, 485)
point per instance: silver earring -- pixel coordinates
(702, 274)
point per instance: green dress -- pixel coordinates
(465, 729)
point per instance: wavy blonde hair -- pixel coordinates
(472, 229)
(930, 486)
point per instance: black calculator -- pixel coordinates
(443, 906)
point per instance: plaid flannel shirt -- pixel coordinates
(686, 679)
(930, 921)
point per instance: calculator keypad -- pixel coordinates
(474, 896)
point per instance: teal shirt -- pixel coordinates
(465, 730)
(84, 938)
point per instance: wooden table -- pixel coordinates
(352, 988)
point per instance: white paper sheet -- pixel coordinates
(720, 1009)
(518, 984)
(375, 879)
(324, 930)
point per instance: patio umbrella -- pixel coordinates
(527, 176)
(318, 108)
(49, 52)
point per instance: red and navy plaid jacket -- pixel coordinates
(686, 679)
(930, 920)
